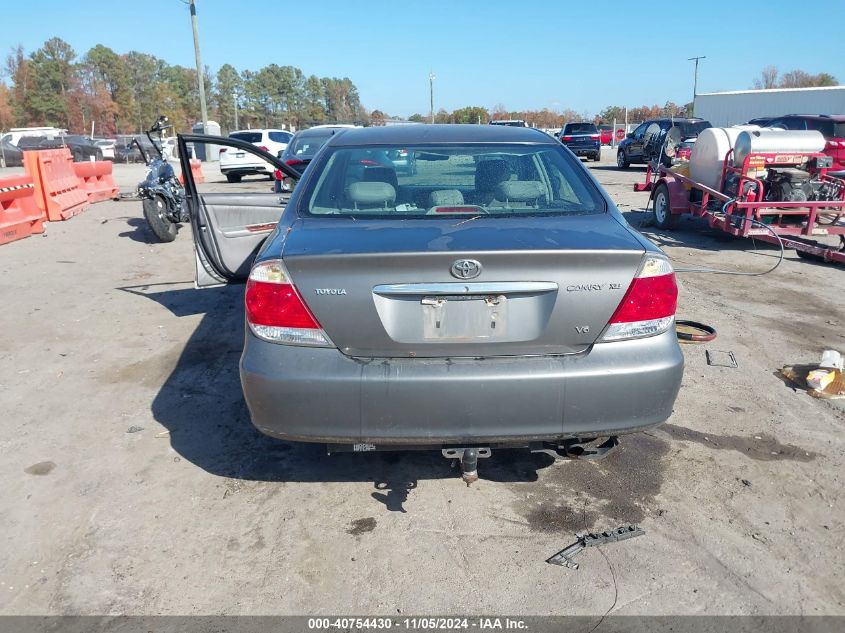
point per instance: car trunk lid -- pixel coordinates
(394, 288)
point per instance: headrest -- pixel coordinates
(445, 198)
(490, 173)
(519, 190)
(371, 193)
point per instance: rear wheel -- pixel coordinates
(597, 156)
(622, 160)
(155, 212)
(233, 177)
(661, 210)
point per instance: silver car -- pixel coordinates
(493, 298)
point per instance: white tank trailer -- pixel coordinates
(708, 153)
(776, 142)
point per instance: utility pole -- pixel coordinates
(200, 73)
(235, 100)
(695, 80)
(431, 93)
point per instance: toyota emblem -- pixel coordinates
(466, 268)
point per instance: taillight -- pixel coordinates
(293, 161)
(648, 307)
(263, 147)
(277, 174)
(222, 149)
(274, 310)
(566, 138)
(594, 136)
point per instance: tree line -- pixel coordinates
(546, 118)
(124, 93)
(770, 77)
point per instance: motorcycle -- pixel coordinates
(161, 193)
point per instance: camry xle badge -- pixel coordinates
(330, 291)
(466, 268)
(591, 287)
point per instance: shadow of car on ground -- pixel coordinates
(201, 404)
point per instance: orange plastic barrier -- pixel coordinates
(57, 189)
(20, 216)
(196, 172)
(95, 179)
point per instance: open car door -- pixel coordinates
(229, 222)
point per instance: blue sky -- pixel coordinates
(526, 54)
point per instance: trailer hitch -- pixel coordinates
(469, 460)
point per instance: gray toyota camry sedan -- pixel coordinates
(495, 297)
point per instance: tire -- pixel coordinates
(661, 210)
(597, 156)
(233, 177)
(622, 161)
(160, 224)
(99, 155)
(77, 157)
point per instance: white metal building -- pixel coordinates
(730, 108)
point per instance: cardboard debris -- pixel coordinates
(798, 375)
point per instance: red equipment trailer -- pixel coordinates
(792, 223)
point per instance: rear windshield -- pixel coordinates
(695, 128)
(451, 180)
(249, 137)
(279, 137)
(308, 144)
(580, 128)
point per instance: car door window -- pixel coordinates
(280, 137)
(640, 130)
(794, 123)
(233, 204)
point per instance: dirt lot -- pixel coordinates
(134, 482)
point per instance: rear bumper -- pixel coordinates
(585, 150)
(320, 395)
(245, 169)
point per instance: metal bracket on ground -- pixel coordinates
(565, 557)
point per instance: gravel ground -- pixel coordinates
(134, 482)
